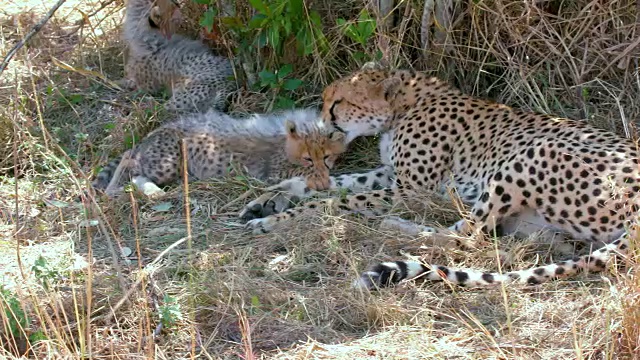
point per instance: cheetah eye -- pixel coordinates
(306, 158)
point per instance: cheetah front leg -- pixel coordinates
(283, 195)
(376, 202)
(371, 203)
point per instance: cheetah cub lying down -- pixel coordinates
(511, 167)
(197, 78)
(292, 144)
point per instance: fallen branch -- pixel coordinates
(142, 276)
(31, 33)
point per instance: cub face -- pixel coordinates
(316, 150)
(165, 16)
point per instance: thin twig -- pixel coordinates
(31, 33)
(125, 297)
(245, 195)
(83, 21)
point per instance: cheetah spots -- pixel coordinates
(518, 167)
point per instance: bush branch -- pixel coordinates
(31, 33)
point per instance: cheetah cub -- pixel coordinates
(197, 78)
(294, 143)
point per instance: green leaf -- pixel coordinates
(56, 203)
(304, 42)
(292, 84)
(37, 336)
(232, 22)
(273, 34)
(162, 207)
(364, 15)
(255, 301)
(352, 33)
(202, 2)
(315, 19)
(16, 317)
(260, 6)
(360, 56)
(319, 41)
(341, 21)
(88, 223)
(208, 18)
(285, 70)
(76, 98)
(284, 103)
(296, 9)
(129, 140)
(261, 40)
(258, 22)
(286, 25)
(267, 77)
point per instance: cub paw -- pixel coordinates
(260, 226)
(267, 204)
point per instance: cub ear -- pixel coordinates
(291, 128)
(390, 87)
(372, 65)
(337, 136)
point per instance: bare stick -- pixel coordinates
(149, 266)
(31, 33)
(245, 195)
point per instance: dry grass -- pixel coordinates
(132, 278)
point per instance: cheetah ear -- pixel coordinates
(292, 129)
(390, 87)
(372, 65)
(337, 136)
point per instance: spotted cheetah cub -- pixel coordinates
(197, 78)
(294, 143)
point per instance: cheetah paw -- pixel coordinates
(260, 226)
(147, 187)
(265, 205)
(154, 193)
(406, 226)
(126, 84)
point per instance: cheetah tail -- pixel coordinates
(112, 172)
(389, 273)
(106, 173)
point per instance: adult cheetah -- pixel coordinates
(197, 78)
(510, 167)
(293, 143)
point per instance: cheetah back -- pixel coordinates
(579, 179)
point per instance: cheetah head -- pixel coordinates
(362, 103)
(165, 16)
(316, 150)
